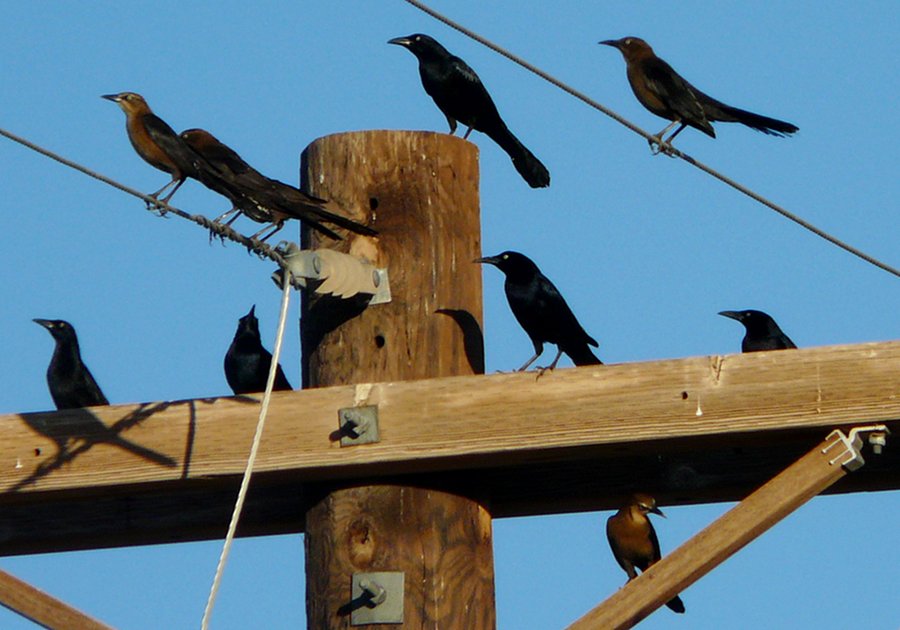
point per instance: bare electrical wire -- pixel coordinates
(219, 229)
(651, 138)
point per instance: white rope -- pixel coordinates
(245, 482)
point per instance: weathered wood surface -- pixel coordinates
(421, 191)
(574, 439)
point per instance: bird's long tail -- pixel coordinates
(341, 221)
(306, 208)
(529, 167)
(581, 354)
(716, 110)
(676, 604)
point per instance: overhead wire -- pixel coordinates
(669, 149)
(219, 229)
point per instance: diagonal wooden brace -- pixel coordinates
(41, 608)
(828, 462)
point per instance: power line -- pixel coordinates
(219, 229)
(651, 138)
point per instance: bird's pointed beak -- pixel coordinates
(115, 98)
(656, 510)
(490, 260)
(731, 315)
(400, 41)
(42, 322)
(615, 43)
(252, 312)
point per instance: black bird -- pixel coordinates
(72, 387)
(541, 310)
(71, 384)
(261, 198)
(247, 363)
(633, 540)
(460, 95)
(762, 331)
(667, 94)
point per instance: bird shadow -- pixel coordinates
(473, 338)
(79, 430)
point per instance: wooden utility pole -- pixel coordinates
(420, 191)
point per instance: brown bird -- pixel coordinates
(258, 197)
(155, 141)
(633, 540)
(667, 94)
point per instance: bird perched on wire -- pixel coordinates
(633, 540)
(258, 197)
(156, 142)
(762, 333)
(667, 94)
(460, 95)
(541, 310)
(247, 363)
(71, 384)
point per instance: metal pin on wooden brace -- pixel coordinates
(852, 443)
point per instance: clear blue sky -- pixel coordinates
(646, 249)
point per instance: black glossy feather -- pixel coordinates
(541, 310)
(247, 362)
(461, 96)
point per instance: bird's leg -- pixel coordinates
(219, 218)
(529, 362)
(158, 208)
(275, 228)
(668, 148)
(468, 131)
(177, 186)
(452, 122)
(552, 366)
(656, 145)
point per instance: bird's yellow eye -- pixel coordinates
(628, 42)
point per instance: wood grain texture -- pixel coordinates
(575, 439)
(441, 541)
(41, 608)
(793, 487)
(421, 190)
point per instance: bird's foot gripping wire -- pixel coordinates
(156, 208)
(658, 145)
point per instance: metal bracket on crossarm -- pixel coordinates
(850, 457)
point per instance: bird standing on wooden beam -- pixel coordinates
(461, 96)
(667, 94)
(247, 363)
(633, 540)
(156, 142)
(542, 311)
(762, 331)
(72, 385)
